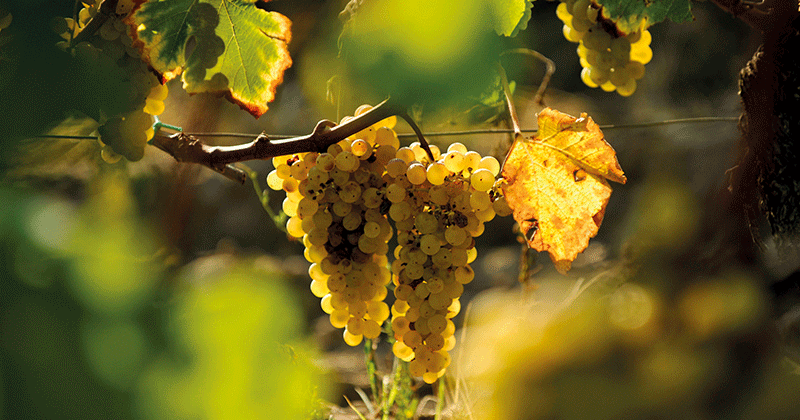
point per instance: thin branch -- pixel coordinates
(550, 68)
(186, 148)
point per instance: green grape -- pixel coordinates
(416, 173)
(426, 223)
(457, 147)
(153, 107)
(347, 161)
(592, 13)
(429, 244)
(619, 76)
(455, 235)
(581, 25)
(635, 69)
(436, 173)
(454, 161)
(385, 136)
(627, 88)
(621, 49)
(395, 193)
(641, 53)
(479, 200)
(578, 10)
(396, 167)
(359, 147)
(406, 155)
(599, 75)
(597, 39)
(352, 339)
(490, 163)
(482, 179)
(563, 13)
(571, 34)
(464, 274)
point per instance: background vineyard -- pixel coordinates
(160, 290)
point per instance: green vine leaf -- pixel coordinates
(511, 16)
(223, 46)
(629, 14)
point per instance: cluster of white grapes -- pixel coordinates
(111, 45)
(340, 203)
(439, 206)
(335, 202)
(610, 59)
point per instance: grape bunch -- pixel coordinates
(340, 203)
(439, 206)
(335, 201)
(109, 52)
(610, 59)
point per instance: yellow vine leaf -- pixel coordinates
(556, 184)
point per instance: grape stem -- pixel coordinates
(550, 68)
(512, 111)
(107, 9)
(188, 149)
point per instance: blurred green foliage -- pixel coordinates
(93, 323)
(422, 52)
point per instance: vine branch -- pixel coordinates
(188, 149)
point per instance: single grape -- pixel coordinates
(482, 179)
(416, 173)
(436, 173)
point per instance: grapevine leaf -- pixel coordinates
(556, 184)
(629, 14)
(511, 16)
(223, 46)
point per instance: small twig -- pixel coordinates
(361, 416)
(106, 10)
(367, 402)
(263, 197)
(512, 111)
(550, 68)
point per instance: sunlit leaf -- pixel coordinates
(224, 46)
(556, 184)
(511, 16)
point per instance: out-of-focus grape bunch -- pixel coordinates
(340, 202)
(110, 48)
(611, 59)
